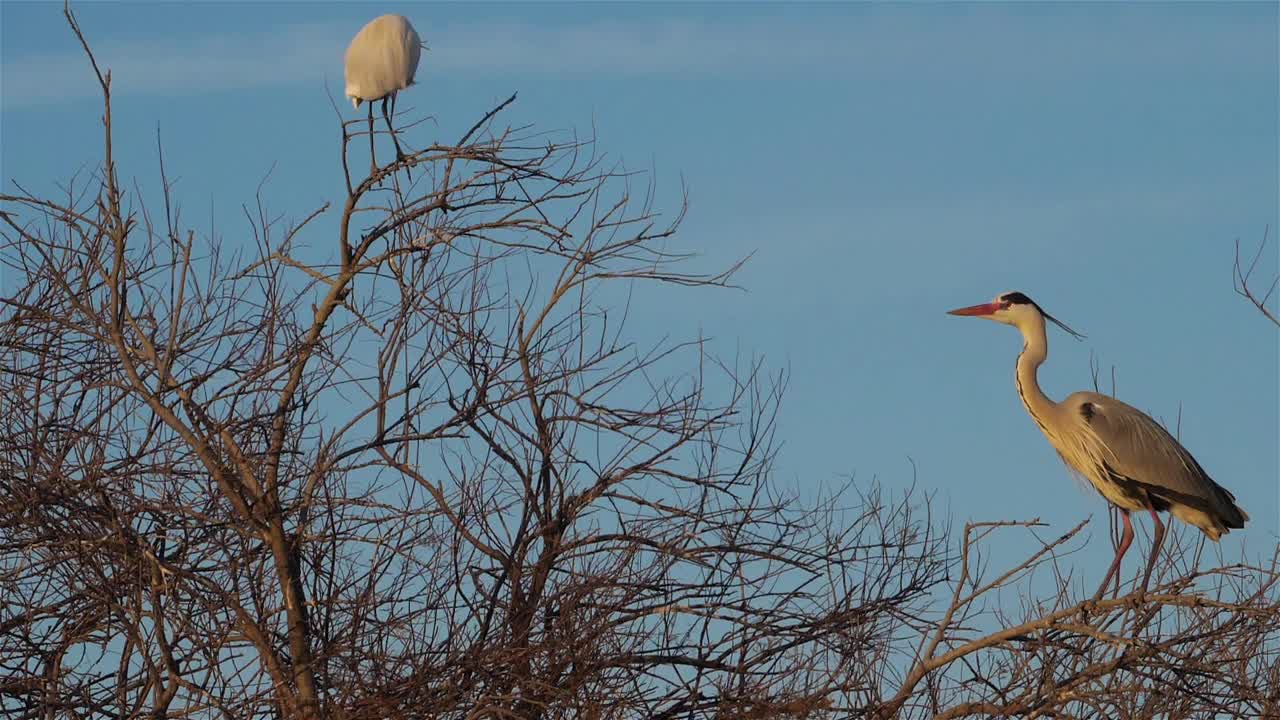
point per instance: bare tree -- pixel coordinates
(1201, 644)
(416, 470)
(405, 459)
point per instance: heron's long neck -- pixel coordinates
(1034, 350)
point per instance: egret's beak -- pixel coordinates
(976, 310)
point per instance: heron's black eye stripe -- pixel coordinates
(1016, 298)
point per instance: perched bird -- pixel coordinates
(1128, 457)
(380, 62)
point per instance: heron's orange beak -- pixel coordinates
(983, 309)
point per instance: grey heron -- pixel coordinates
(1126, 456)
(380, 62)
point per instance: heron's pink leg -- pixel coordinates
(1126, 539)
(1156, 541)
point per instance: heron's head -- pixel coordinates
(1013, 308)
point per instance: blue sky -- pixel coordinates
(884, 163)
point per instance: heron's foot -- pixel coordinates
(1086, 609)
(1101, 594)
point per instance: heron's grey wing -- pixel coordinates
(1141, 451)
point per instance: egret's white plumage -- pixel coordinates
(1129, 458)
(380, 62)
(382, 59)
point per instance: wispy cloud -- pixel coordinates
(312, 53)
(201, 63)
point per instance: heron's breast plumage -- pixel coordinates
(1092, 459)
(1080, 448)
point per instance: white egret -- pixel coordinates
(380, 62)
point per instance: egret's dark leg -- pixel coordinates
(399, 154)
(373, 160)
(1156, 541)
(1126, 539)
